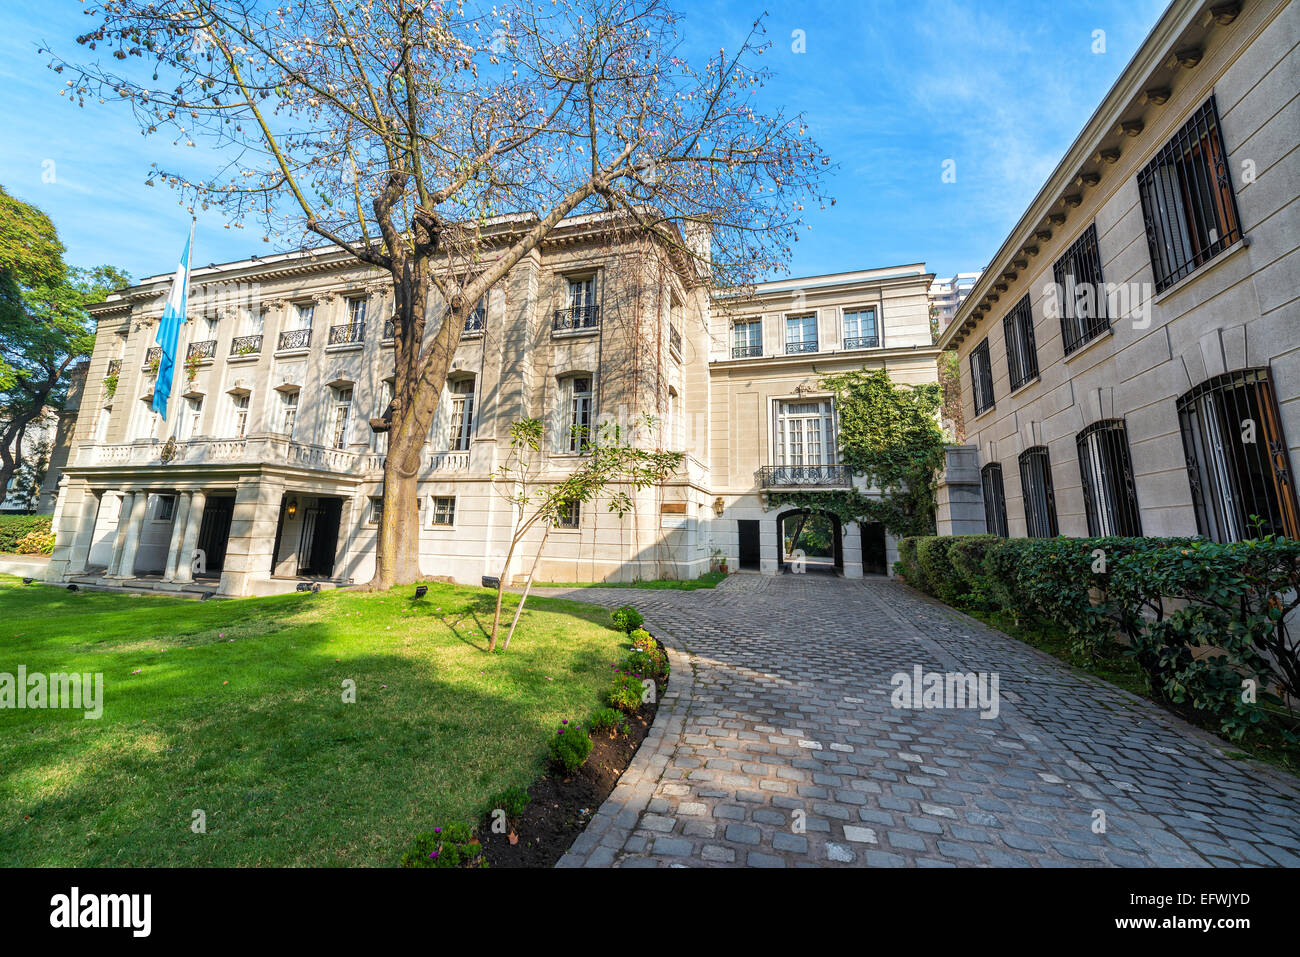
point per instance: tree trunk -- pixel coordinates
(528, 586)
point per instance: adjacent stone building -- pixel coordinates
(266, 473)
(1131, 356)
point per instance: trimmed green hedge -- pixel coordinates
(1205, 621)
(15, 527)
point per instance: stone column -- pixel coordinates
(79, 553)
(252, 535)
(959, 498)
(190, 541)
(179, 521)
(119, 537)
(131, 544)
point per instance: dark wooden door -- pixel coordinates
(749, 551)
(214, 533)
(873, 549)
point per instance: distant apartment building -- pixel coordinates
(946, 295)
(266, 474)
(1131, 357)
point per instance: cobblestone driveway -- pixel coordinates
(777, 746)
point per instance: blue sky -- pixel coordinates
(891, 92)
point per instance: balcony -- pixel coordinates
(292, 339)
(798, 348)
(804, 476)
(444, 461)
(205, 349)
(245, 346)
(352, 334)
(114, 366)
(863, 342)
(751, 351)
(575, 319)
(152, 356)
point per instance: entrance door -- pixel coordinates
(214, 533)
(749, 554)
(319, 538)
(873, 549)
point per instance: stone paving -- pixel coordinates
(777, 745)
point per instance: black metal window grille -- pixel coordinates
(575, 319)
(1039, 498)
(995, 499)
(202, 350)
(747, 339)
(1022, 352)
(349, 334)
(1188, 204)
(1109, 492)
(570, 515)
(1237, 460)
(295, 339)
(1082, 292)
(981, 377)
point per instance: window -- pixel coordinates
(981, 377)
(671, 428)
(1039, 499)
(376, 509)
(462, 414)
(101, 424)
(254, 321)
(357, 311)
(165, 508)
(1237, 461)
(340, 420)
(579, 310)
(1109, 493)
(1081, 291)
(288, 412)
(581, 293)
(570, 515)
(995, 499)
(805, 433)
(860, 329)
(1187, 199)
(191, 417)
(444, 511)
(475, 320)
(747, 339)
(239, 410)
(578, 420)
(1022, 354)
(304, 313)
(380, 439)
(801, 333)
(209, 327)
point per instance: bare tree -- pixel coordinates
(441, 144)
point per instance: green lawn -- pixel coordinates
(237, 710)
(707, 580)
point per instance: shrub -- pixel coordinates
(626, 619)
(641, 640)
(35, 543)
(451, 846)
(967, 555)
(907, 566)
(626, 693)
(609, 720)
(512, 800)
(940, 576)
(570, 747)
(15, 527)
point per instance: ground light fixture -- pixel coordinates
(421, 591)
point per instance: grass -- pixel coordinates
(707, 580)
(236, 709)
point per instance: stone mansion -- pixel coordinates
(266, 473)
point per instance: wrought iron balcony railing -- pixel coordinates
(863, 342)
(575, 319)
(751, 351)
(803, 476)
(294, 339)
(347, 334)
(205, 349)
(794, 348)
(245, 345)
(152, 354)
(114, 366)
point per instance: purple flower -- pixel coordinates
(437, 830)
(565, 721)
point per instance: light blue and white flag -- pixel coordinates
(169, 329)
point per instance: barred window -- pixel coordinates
(376, 509)
(1188, 203)
(1082, 292)
(1237, 461)
(995, 499)
(981, 377)
(444, 511)
(1039, 499)
(1109, 492)
(570, 515)
(1022, 353)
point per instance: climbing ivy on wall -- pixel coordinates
(890, 434)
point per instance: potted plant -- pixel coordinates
(192, 367)
(110, 385)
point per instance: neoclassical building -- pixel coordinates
(266, 474)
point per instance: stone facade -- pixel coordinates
(275, 476)
(1167, 335)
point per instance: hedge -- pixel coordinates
(15, 527)
(1205, 621)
